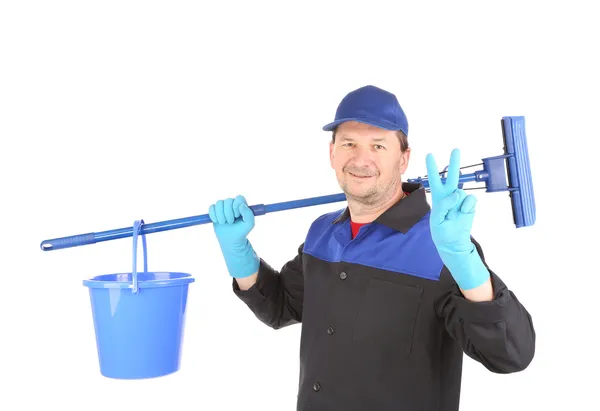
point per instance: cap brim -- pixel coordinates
(373, 122)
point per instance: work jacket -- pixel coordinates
(384, 324)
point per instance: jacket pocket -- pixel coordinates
(388, 315)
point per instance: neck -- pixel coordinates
(361, 212)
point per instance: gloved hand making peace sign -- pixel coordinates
(451, 220)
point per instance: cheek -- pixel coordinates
(339, 161)
(388, 167)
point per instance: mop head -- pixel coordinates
(518, 170)
(509, 171)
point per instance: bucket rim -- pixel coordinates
(97, 282)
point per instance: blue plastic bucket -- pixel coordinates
(139, 319)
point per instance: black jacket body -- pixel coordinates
(384, 325)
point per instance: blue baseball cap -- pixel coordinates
(370, 105)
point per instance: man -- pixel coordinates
(389, 291)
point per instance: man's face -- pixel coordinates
(368, 161)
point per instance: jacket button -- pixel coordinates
(343, 275)
(330, 330)
(317, 386)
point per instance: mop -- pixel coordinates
(512, 166)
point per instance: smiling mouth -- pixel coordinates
(361, 177)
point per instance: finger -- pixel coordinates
(433, 175)
(468, 205)
(438, 215)
(219, 212)
(211, 213)
(453, 170)
(457, 199)
(246, 213)
(228, 210)
(450, 203)
(239, 200)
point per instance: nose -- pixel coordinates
(363, 155)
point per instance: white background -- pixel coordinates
(114, 111)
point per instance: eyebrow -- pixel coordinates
(348, 138)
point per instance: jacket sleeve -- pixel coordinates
(276, 297)
(499, 334)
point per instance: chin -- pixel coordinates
(359, 192)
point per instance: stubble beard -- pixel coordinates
(373, 195)
(366, 197)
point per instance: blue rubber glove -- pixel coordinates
(232, 221)
(451, 220)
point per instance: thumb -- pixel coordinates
(246, 213)
(460, 197)
(441, 211)
(448, 203)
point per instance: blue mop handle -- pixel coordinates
(258, 209)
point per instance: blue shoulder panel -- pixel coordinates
(376, 246)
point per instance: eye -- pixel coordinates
(346, 144)
(379, 147)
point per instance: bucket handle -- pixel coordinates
(137, 225)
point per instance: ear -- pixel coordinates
(404, 161)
